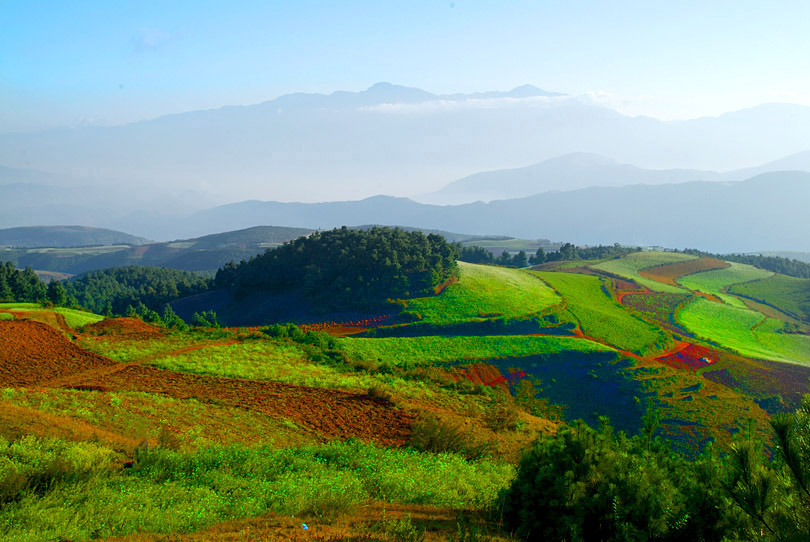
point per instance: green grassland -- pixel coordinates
(716, 281)
(73, 318)
(411, 352)
(179, 492)
(748, 332)
(788, 294)
(629, 266)
(485, 291)
(601, 317)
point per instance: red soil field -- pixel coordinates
(667, 274)
(33, 352)
(690, 356)
(328, 413)
(126, 327)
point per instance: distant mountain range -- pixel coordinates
(206, 253)
(582, 170)
(768, 211)
(65, 237)
(388, 139)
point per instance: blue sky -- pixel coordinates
(103, 62)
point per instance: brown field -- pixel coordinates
(666, 274)
(33, 352)
(131, 328)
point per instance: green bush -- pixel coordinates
(433, 434)
(582, 484)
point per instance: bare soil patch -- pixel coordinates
(125, 327)
(33, 352)
(328, 413)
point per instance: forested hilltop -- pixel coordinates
(348, 267)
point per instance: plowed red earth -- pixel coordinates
(33, 352)
(329, 413)
(691, 357)
(126, 327)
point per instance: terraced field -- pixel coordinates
(416, 351)
(748, 332)
(715, 282)
(482, 292)
(602, 318)
(788, 294)
(630, 265)
(666, 274)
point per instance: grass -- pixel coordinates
(127, 349)
(746, 331)
(76, 318)
(182, 492)
(602, 317)
(73, 318)
(264, 360)
(788, 294)
(409, 352)
(630, 265)
(6, 316)
(123, 419)
(715, 282)
(484, 291)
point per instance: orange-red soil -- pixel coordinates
(33, 352)
(127, 327)
(329, 413)
(667, 274)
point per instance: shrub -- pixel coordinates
(433, 434)
(583, 484)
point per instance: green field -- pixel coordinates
(714, 282)
(601, 317)
(746, 331)
(415, 351)
(788, 294)
(263, 360)
(629, 266)
(73, 318)
(485, 291)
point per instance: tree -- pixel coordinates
(539, 257)
(520, 260)
(205, 319)
(56, 293)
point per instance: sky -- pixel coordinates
(93, 62)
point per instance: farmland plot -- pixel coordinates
(630, 265)
(715, 282)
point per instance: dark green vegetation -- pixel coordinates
(584, 484)
(20, 285)
(114, 291)
(348, 267)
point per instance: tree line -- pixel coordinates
(568, 251)
(777, 264)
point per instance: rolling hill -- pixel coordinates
(65, 237)
(766, 212)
